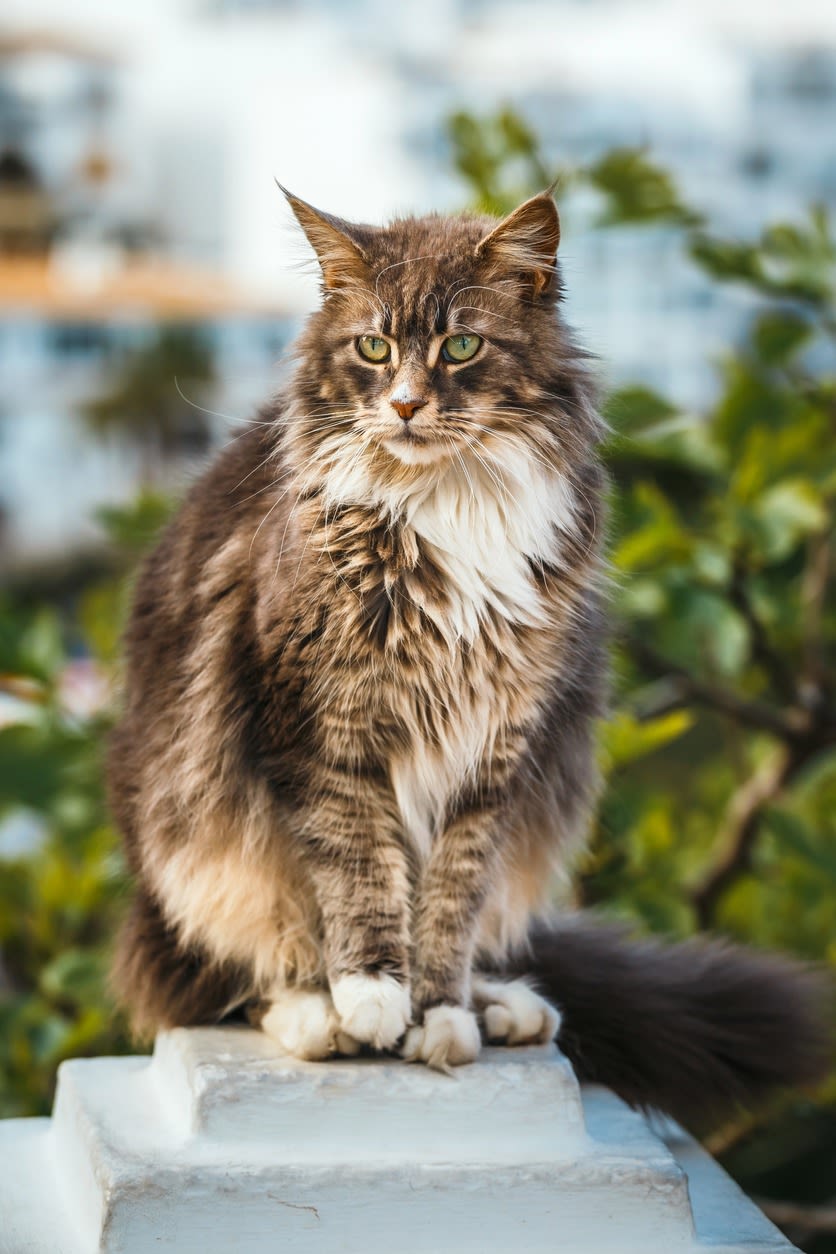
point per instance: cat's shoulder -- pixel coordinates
(222, 500)
(251, 458)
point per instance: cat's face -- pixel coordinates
(437, 340)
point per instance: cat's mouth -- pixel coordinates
(410, 436)
(413, 447)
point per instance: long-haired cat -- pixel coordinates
(363, 669)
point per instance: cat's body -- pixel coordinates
(365, 661)
(361, 680)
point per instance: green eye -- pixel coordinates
(373, 348)
(460, 347)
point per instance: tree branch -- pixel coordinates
(730, 1135)
(814, 585)
(797, 1215)
(801, 733)
(755, 714)
(741, 826)
(762, 650)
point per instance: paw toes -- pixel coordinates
(345, 1045)
(303, 1023)
(374, 1010)
(448, 1037)
(549, 1025)
(498, 1023)
(513, 1014)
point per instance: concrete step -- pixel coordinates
(229, 1083)
(218, 1144)
(36, 1215)
(249, 1132)
(725, 1220)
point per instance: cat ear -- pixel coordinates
(343, 262)
(525, 243)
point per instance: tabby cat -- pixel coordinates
(363, 669)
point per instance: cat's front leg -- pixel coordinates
(361, 880)
(462, 864)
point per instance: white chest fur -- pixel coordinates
(480, 523)
(480, 526)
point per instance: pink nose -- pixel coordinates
(407, 409)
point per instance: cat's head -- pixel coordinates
(438, 341)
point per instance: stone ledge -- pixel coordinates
(228, 1084)
(217, 1143)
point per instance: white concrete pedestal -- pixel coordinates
(218, 1145)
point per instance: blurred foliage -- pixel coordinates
(721, 753)
(62, 879)
(149, 401)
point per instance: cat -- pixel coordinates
(363, 672)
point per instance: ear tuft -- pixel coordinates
(341, 258)
(525, 243)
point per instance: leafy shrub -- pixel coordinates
(61, 873)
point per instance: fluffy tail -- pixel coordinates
(689, 1028)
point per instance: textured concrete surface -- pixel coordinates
(217, 1143)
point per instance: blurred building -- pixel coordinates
(132, 187)
(93, 262)
(641, 304)
(743, 115)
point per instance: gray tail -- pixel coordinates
(691, 1029)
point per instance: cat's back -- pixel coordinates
(204, 557)
(186, 643)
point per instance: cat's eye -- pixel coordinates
(373, 348)
(460, 347)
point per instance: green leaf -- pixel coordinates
(793, 261)
(624, 739)
(637, 190)
(704, 633)
(642, 598)
(727, 260)
(134, 526)
(632, 409)
(778, 335)
(76, 975)
(656, 535)
(793, 834)
(786, 514)
(499, 157)
(32, 765)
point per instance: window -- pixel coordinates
(78, 339)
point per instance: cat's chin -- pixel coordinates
(414, 452)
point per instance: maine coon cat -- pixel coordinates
(363, 669)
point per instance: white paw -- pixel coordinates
(374, 1009)
(514, 1014)
(304, 1023)
(448, 1037)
